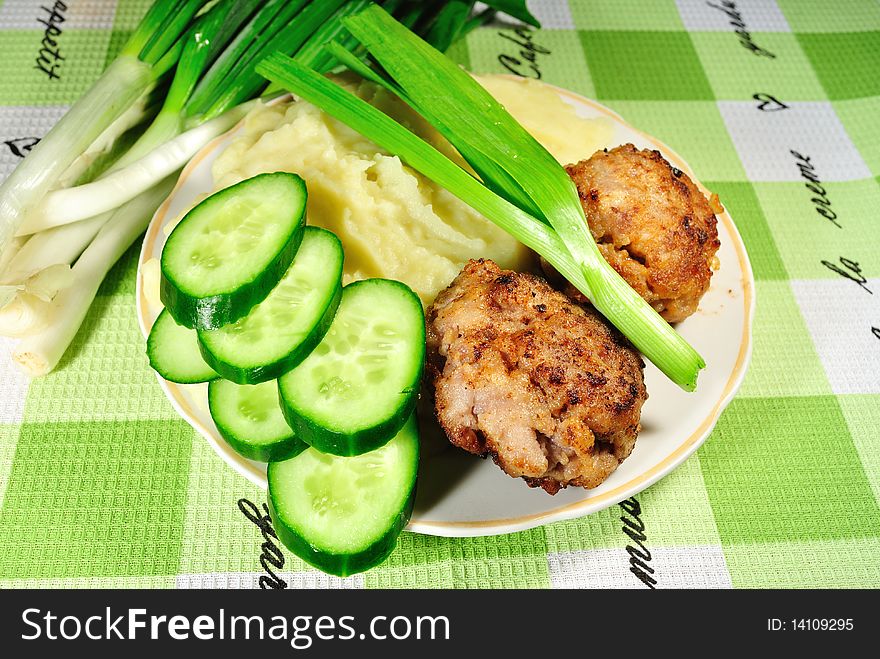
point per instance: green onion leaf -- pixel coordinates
(657, 340)
(515, 8)
(478, 20)
(244, 82)
(448, 24)
(262, 25)
(313, 53)
(205, 40)
(503, 153)
(175, 19)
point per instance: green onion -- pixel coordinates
(116, 139)
(241, 54)
(476, 21)
(166, 27)
(448, 24)
(205, 41)
(185, 75)
(500, 151)
(215, 74)
(141, 44)
(41, 351)
(245, 82)
(212, 80)
(124, 183)
(313, 53)
(217, 56)
(120, 86)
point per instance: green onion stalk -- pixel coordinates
(39, 352)
(522, 188)
(186, 75)
(214, 78)
(215, 59)
(140, 65)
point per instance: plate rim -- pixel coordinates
(500, 526)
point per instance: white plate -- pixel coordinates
(461, 495)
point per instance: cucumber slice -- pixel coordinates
(249, 418)
(283, 329)
(174, 354)
(228, 252)
(343, 515)
(359, 385)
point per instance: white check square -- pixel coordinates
(839, 315)
(765, 141)
(716, 15)
(81, 14)
(20, 126)
(674, 567)
(13, 384)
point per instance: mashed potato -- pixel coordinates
(553, 122)
(392, 221)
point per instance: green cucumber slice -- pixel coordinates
(174, 353)
(359, 385)
(343, 515)
(250, 420)
(228, 252)
(283, 329)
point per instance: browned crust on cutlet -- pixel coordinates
(652, 224)
(546, 388)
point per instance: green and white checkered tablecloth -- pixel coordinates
(102, 484)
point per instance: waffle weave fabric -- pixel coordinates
(103, 485)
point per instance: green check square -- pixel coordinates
(661, 506)
(459, 52)
(518, 560)
(824, 16)
(496, 51)
(847, 64)
(815, 564)
(8, 438)
(742, 203)
(861, 119)
(781, 344)
(601, 530)
(129, 13)
(104, 375)
(625, 15)
(92, 583)
(22, 83)
(737, 74)
(217, 537)
(645, 66)
(791, 214)
(122, 278)
(95, 499)
(786, 469)
(118, 39)
(695, 130)
(862, 414)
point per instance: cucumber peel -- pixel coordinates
(173, 351)
(249, 419)
(343, 514)
(232, 249)
(284, 328)
(360, 384)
